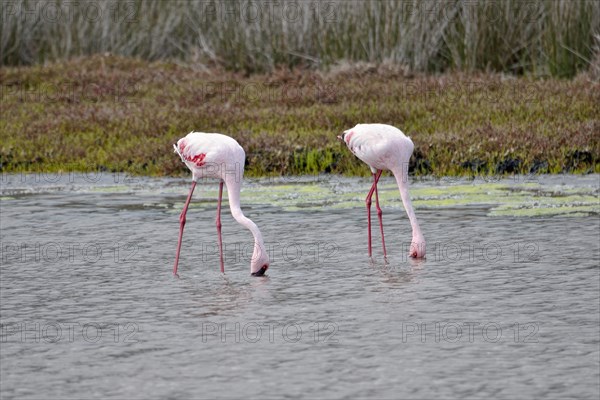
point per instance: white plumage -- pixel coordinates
(384, 147)
(212, 155)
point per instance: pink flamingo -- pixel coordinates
(212, 155)
(384, 147)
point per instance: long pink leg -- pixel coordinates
(219, 226)
(379, 212)
(181, 225)
(368, 202)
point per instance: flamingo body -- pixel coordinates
(213, 155)
(380, 146)
(384, 147)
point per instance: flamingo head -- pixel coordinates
(260, 261)
(417, 247)
(342, 137)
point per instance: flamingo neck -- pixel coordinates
(233, 190)
(237, 213)
(251, 226)
(259, 253)
(402, 181)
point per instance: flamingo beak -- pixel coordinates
(261, 271)
(341, 138)
(416, 255)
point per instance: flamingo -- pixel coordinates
(384, 147)
(212, 155)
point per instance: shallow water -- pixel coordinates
(506, 305)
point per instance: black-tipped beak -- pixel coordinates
(261, 271)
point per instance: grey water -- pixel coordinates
(504, 306)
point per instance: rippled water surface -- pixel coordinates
(506, 305)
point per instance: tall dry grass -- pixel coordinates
(544, 37)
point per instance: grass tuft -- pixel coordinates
(122, 114)
(543, 37)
